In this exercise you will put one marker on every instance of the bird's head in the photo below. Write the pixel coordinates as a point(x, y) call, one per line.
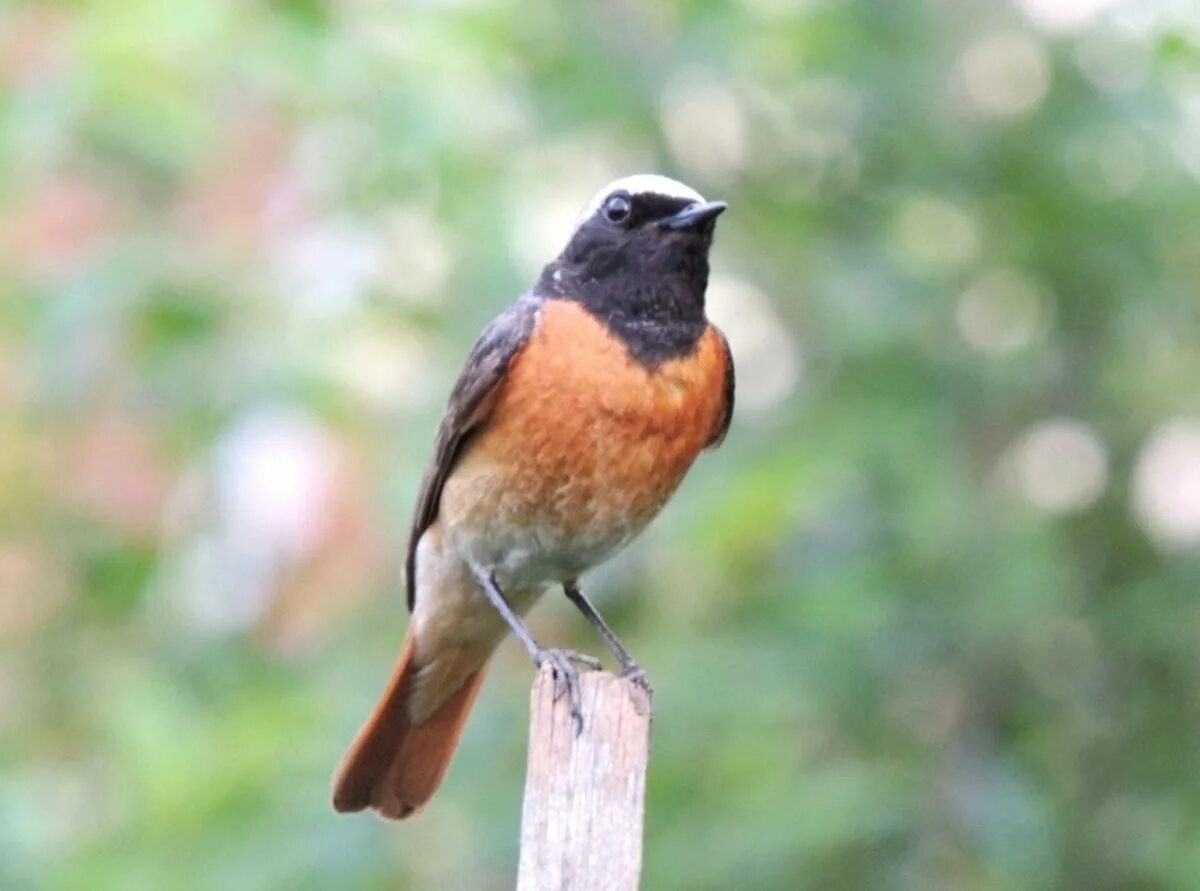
point(640, 249)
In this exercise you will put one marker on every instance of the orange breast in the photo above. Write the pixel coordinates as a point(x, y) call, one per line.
point(583, 440)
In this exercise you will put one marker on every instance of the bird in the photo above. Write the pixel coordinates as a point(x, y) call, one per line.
point(578, 412)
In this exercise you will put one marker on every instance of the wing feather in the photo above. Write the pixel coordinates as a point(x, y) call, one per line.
point(470, 403)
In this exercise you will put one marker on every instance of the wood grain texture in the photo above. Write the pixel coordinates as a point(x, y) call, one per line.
point(581, 827)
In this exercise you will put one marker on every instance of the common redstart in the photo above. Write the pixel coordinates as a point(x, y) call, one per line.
point(579, 411)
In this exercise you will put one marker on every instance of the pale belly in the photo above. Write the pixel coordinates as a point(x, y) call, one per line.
point(541, 535)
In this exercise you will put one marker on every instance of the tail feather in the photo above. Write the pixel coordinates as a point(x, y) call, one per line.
point(395, 764)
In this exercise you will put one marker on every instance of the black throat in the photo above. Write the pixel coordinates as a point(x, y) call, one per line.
point(647, 289)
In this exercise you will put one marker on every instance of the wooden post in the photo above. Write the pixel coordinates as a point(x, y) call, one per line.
point(581, 825)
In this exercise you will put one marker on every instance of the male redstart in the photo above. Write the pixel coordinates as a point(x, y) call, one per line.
point(579, 411)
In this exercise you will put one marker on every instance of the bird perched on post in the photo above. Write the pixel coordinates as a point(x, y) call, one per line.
point(579, 411)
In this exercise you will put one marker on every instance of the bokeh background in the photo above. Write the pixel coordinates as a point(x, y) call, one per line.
point(929, 620)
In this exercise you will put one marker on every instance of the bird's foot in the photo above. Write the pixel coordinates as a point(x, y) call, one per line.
point(566, 677)
point(631, 671)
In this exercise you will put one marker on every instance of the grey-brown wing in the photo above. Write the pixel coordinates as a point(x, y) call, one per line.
point(470, 402)
point(726, 417)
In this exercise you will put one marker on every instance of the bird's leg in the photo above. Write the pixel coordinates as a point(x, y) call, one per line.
point(629, 668)
point(562, 662)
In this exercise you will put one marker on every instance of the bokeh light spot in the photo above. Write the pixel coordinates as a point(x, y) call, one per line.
point(1004, 74)
point(705, 127)
point(1059, 466)
point(1166, 484)
point(1064, 16)
point(935, 234)
point(1000, 312)
point(767, 356)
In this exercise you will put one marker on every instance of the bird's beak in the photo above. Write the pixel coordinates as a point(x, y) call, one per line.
point(695, 215)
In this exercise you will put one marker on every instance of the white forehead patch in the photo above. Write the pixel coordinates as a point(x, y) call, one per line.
point(641, 184)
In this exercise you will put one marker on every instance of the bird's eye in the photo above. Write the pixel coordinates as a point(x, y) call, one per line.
point(617, 209)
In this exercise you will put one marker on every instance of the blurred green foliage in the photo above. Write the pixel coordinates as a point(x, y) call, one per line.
point(927, 621)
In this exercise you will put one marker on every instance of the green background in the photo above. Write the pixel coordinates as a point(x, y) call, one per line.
point(928, 620)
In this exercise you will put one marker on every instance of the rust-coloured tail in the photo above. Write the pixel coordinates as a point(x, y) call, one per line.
point(395, 765)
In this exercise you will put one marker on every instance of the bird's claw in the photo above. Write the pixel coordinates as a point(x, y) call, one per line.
point(633, 672)
point(566, 678)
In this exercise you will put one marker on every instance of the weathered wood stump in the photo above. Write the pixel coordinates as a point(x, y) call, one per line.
point(581, 825)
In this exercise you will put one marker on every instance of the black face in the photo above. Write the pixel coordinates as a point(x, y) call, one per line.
point(640, 264)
